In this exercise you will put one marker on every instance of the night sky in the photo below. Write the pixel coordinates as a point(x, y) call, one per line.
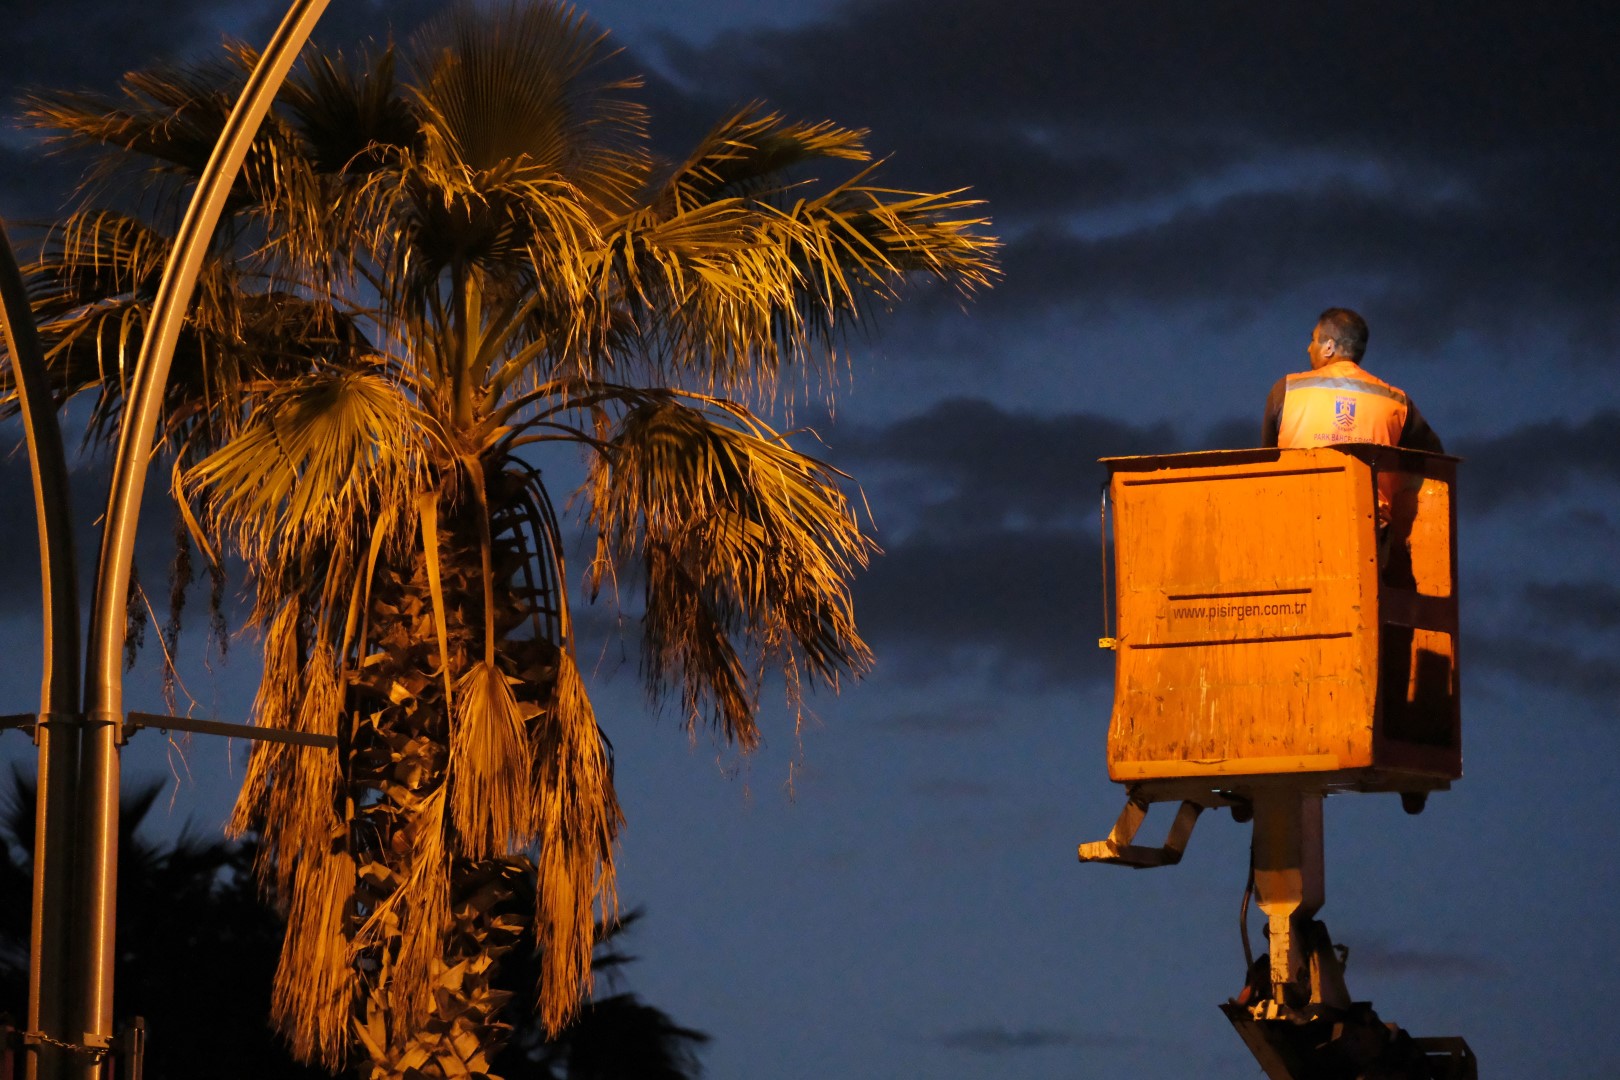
point(1181, 187)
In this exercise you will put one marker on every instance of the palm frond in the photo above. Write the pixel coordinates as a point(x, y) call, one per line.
point(578, 819)
point(318, 456)
point(749, 548)
point(297, 797)
point(732, 291)
point(96, 254)
point(527, 91)
point(884, 234)
point(490, 766)
point(702, 288)
point(170, 115)
point(314, 984)
point(303, 859)
point(751, 154)
point(350, 109)
point(522, 230)
point(92, 285)
point(274, 706)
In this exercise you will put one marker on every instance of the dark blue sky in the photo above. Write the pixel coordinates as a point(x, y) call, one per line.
point(1181, 188)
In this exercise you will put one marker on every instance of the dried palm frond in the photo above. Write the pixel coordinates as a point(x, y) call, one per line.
point(274, 707)
point(578, 818)
point(299, 791)
point(748, 546)
point(422, 918)
point(490, 766)
point(315, 983)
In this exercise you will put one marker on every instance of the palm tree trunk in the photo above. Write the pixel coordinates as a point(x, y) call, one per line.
point(437, 799)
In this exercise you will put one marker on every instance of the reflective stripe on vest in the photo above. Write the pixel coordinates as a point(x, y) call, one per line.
point(1344, 405)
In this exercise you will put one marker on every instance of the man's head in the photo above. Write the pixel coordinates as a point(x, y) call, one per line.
point(1340, 334)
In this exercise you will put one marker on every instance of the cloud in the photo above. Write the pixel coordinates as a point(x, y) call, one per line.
point(1540, 662)
point(1387, 960)
point(991, 551)
point(1430, 80)
point(1458, 164)
point(84, 44)
point(967, 465)
point(1430, 270)
point(1590, 605)
point(991, 466)
point(1026, 601)
point(996, 1040)
point(88, 483)
point(1539, 460)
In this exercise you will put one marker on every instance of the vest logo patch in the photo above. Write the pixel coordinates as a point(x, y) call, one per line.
point(1344, 412)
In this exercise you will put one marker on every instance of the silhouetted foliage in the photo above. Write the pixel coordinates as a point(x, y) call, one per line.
point(197, 954)
point(197, 949)
point(619, 1037)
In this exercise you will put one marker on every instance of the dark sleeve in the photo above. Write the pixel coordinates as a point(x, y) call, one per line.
point(1271, 423)
point(1416, 434)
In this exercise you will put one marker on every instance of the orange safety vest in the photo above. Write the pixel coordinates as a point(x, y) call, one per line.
point(1340, 403)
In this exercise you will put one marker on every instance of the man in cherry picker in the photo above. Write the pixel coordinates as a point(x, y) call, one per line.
point(1339, 401)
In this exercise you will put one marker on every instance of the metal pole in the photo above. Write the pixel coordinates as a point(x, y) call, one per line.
point(1288, 883)
point(57, 732)
point(90, 993)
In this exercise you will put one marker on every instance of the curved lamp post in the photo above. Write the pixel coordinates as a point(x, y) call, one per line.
point(56, 732)
point(70, 982)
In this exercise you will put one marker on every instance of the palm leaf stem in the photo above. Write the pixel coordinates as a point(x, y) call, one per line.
point(474, 471)
point(464, 337)
point(428, 512)
point(568, 395)
point(499, 326)
point(513, 367)
point(573, 435)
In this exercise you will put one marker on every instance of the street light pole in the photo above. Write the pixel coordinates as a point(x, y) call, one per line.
point(76, 860)
point(57, 731)
point(90, 999)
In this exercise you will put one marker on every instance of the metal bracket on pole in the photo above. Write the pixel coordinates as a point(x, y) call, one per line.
point(138, 720)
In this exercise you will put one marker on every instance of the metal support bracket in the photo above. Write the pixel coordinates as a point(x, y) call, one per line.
point(1118, 848)
point(20, 721)
point(138, 720)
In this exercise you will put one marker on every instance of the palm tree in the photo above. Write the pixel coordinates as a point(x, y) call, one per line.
point(440, 262)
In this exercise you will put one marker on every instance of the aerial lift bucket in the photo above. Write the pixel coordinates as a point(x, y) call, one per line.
point(1286, 629)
